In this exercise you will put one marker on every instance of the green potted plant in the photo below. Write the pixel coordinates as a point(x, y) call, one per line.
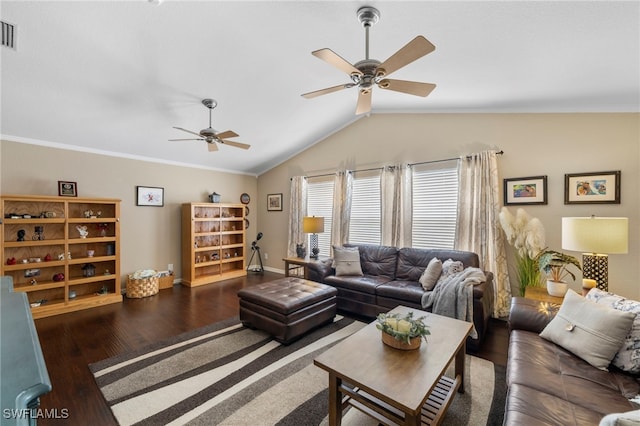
point(402, 331)
point(556, 265)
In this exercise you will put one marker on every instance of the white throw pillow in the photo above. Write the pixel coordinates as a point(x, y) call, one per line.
point(590, 331)
point(630, 418)
point(346, 261)
point(628, 357)
point(430, 276)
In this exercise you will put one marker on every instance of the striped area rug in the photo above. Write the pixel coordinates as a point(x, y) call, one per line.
point(228, 375)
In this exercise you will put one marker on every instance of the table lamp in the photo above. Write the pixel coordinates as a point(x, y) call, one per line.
point(313, 225)
point(596, 237)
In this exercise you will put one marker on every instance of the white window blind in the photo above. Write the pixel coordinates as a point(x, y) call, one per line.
point(435, 204)
point(320, 203)
point(365, 221)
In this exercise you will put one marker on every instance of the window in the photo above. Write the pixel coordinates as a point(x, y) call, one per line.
point(320, 203)
point(365, 221)
point(435, 205)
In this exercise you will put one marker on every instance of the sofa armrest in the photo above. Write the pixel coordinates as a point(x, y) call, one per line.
point(320, 270)
point(530, 315)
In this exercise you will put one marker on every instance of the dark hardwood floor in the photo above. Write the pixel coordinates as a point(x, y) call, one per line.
point(71, 342)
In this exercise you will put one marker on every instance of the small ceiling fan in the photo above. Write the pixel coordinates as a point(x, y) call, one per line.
point(210, 135)
point(364, 74)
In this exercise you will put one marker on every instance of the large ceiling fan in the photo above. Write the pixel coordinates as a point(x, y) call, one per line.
point(210, 135)
point(364, 74)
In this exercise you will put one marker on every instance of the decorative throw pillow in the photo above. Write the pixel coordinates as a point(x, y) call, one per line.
point(590, 331)
point(630, 418)
point(451, 267)
point(430, 276)
point(628, 356)
point(346, 261)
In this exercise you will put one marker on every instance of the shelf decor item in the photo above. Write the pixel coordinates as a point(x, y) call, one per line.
point(149, 196)
point(402, 331)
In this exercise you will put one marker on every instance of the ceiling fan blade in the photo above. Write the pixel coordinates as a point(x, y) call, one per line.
point(173, 140)
point(212, 146)
point(188, 131)
point(416, 48)
point(336, 60)
point(236, 144)
point(327, 90)
point(227, 134)
point(411, 87)
point(364, 102)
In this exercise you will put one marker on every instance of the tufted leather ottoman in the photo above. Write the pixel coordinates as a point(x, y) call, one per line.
point(288, 307)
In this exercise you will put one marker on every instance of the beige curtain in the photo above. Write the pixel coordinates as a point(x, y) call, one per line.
point(396, 206)
point(342, 191)
point(478, 227)
point(297, 210)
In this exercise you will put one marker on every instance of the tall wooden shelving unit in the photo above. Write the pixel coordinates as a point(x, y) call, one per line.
point(213, 242)
point(53, 267)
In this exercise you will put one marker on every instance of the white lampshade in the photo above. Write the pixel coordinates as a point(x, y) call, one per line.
point(313, 225)
point(606, 235)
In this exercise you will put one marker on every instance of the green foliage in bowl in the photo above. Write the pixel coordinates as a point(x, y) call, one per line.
point(403, 327)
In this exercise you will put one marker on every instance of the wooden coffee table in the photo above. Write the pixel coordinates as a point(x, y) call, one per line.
point(395, 386)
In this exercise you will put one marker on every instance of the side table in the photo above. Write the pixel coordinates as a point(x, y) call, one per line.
point(299, 262)
point(540, 293)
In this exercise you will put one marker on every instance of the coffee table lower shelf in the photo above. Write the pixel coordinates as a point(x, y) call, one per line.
point(432, 411)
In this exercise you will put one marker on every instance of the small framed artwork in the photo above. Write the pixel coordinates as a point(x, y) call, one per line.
point(149, 196)
point(592, 188)
point(525, 190)
point(67, 189)
point(274, 202)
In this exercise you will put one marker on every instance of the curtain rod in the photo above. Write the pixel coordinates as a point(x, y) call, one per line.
point(448, 159)
point(410, 164)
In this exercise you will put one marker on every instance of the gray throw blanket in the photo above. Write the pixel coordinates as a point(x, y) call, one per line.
point(453, 296)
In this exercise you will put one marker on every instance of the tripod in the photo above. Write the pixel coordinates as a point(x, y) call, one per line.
point(255, 249)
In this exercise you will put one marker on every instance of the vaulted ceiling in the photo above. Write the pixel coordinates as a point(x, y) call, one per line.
point(115, 77)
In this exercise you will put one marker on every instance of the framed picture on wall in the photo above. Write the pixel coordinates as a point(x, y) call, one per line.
point(592, 188)
point(149, 196)
point(67, 189)
point(274, 202)
point(525, 190)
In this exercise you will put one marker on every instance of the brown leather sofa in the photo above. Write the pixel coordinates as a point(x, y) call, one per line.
point(391, 278)
point(548, 385)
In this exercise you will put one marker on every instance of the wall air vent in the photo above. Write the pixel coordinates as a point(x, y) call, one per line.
point(8, 35)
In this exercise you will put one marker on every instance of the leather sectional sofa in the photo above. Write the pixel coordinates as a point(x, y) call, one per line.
point(548, 385)
point(391, 278)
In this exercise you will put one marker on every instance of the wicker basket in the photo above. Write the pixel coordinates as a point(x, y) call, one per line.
point(142, 287)
point(414, 342)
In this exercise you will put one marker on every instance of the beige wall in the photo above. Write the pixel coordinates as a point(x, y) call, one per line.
point(150, 235)
point(534, 144)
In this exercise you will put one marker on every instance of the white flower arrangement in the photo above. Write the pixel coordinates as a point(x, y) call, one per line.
point(526, 235)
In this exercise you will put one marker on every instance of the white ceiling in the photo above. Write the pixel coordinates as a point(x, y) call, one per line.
point(114, 77)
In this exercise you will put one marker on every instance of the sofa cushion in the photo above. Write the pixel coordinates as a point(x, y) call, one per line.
point(410, 291)
point(346, 261)
point(377, 260)
point(364, 284)
point(430, 276)
point(590, 331)
point(553, 374)
point(628, 356)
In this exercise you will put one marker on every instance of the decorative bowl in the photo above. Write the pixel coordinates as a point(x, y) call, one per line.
point(414, 342)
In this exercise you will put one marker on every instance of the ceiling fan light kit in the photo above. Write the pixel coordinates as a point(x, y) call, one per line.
point(369, 72)
point(211, 135)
